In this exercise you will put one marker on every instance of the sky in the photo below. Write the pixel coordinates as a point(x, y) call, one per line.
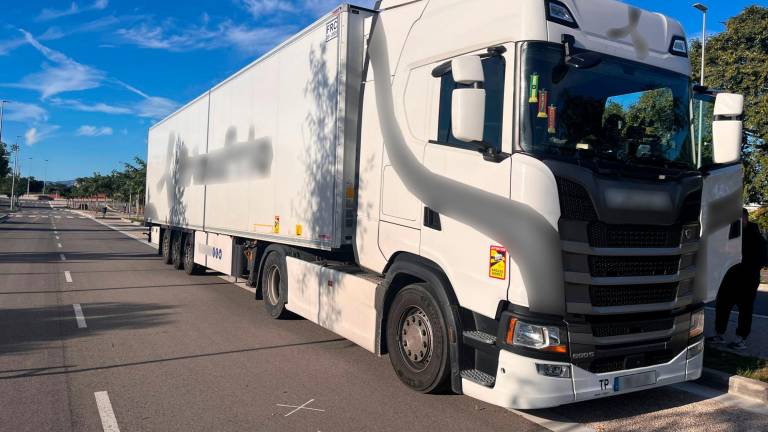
point(86, 79)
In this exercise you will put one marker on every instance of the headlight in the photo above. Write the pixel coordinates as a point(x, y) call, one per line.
point(697, 324)
point(540, 337)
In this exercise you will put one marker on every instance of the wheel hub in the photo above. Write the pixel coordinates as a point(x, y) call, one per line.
point(416, 337)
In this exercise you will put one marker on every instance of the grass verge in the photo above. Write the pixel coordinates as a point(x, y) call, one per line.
point(725, 361)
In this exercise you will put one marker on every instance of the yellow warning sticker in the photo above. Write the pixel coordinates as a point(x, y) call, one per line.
point(498, 263)
point(298, 230)
point(276, 226)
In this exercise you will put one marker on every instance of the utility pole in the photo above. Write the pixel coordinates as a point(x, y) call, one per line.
point(703, 9)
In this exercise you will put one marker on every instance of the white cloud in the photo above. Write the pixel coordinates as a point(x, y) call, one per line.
point(25, 113)
point(36, 134)
point(73, 9)
point(64, 75)
point(93, 131)
point(258, 8)
point(171, 37)
point(94, 107)
point(155, 107)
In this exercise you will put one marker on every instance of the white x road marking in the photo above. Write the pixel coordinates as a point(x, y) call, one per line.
point(300, 407)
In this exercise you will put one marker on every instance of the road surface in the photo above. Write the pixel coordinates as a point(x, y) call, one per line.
point(97, 334)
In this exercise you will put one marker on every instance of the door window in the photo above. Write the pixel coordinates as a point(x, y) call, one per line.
point(493, 68)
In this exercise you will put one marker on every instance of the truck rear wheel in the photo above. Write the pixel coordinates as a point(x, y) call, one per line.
point(274, 284)
point(190, 267)
point(167, 246)
point(417, 339)
point(176, 252)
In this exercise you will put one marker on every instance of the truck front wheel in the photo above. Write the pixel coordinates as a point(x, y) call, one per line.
point(176, 258)
point(274, 284)
point(417, 339)
point(167, 246)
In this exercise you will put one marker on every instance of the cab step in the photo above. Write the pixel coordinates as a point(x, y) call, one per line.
point(478, 377)
point(479, 336)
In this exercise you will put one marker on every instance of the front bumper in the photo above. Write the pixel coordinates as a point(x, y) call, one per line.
point(519, 386)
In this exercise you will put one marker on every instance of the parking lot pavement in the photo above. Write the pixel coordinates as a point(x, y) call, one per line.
point(98, 332)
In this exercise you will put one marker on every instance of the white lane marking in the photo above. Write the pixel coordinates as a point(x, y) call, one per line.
point(58, 244)
point(79, 316)
point(57, 238)
point(300, 407)
point(63, 258)
point(57, 217)
point(70, 217)
point(68, 276)
point(108, 420)
point(737, 313)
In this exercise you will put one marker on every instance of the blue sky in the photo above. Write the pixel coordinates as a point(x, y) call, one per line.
point(88, 78)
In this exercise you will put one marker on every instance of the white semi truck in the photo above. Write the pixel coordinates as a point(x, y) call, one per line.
point(510, 198)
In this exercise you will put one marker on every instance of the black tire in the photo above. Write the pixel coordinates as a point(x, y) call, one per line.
point(167, 246)
point(176, 251)
point(274, 285)
point(188, 256)
point(415, 321)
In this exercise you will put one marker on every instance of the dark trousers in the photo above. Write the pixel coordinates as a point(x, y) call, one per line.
point(736, 290)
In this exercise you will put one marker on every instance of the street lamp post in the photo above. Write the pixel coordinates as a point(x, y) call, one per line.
point(14, 148)
point(29, 176)
point(703, 9)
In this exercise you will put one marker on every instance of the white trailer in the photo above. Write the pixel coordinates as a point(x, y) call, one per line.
point(472, 186)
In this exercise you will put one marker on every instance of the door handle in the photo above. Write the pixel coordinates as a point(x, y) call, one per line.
point(432, 219)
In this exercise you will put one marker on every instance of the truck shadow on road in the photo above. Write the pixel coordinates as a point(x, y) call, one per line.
point(53, 257)
point(34, 328)
point(662, 409)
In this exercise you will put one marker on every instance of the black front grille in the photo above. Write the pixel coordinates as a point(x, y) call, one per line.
point(616, 266)
point(575, 202)
point(626, 295)
point(623, 329)
point(634, 236)
point(613, 364)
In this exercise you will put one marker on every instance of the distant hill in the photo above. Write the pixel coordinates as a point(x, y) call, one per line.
point(63, 182)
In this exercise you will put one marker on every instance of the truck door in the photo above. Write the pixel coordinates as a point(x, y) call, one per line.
point(721, 203)
point(462, 251)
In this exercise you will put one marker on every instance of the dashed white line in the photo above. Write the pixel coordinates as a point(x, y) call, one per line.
point(108, 420)
point(68, 276)
point(63, 258)
point(57, 238)
point(58, 244)
point(79, 316)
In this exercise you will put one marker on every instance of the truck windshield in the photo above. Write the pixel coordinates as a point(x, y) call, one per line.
point(619, 110)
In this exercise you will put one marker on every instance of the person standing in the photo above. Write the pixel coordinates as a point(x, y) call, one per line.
point(739, 287)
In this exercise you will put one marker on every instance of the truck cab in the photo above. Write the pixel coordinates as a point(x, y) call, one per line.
point(539, 158)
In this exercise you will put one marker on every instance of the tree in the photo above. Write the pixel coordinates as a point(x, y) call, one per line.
point(5, 158)
point(737, 61)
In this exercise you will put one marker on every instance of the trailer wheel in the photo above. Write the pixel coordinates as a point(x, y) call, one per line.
point(274, 284)
point(167, 246)
point(190, 267)
point(417, 339)
point(176, 252)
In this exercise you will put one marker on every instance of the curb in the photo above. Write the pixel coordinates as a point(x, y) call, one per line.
point(735, 385)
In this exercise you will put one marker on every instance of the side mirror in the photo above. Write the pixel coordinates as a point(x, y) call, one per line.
point(726, 128)
point(468, 106)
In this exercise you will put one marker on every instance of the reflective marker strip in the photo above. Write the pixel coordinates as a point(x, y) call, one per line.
point(79, 316)
point(108, 420)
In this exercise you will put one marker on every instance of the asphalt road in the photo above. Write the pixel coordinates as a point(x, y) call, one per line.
point(97, 334)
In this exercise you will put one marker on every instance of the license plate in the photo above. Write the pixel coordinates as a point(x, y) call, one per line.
point(627, 382)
